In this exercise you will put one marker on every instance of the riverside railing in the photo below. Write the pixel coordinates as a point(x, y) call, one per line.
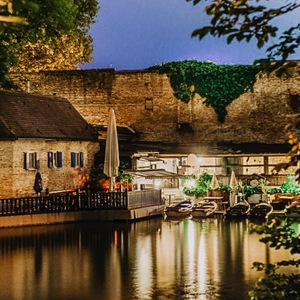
point(79, 202)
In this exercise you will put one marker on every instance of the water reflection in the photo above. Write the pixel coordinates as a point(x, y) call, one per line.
point(153, 259)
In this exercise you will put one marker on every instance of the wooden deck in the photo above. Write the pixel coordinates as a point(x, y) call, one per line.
point(102, 206)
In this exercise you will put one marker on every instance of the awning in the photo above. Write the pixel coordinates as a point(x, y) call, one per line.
point(151, 159)
point(152, 174)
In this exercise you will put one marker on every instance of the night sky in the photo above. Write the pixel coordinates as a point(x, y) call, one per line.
point(136, 34)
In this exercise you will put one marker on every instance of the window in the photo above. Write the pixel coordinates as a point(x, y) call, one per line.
point(31, 161)
point(77, 159)
point(55, 159)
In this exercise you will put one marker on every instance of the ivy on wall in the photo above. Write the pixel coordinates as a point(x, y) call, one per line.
point(218, 84)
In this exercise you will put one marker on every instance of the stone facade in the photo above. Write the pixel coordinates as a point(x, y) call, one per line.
point(45, 134)
point(16, 181)
point(144, 101)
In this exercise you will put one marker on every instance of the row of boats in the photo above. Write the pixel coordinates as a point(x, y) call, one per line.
point(185, 208)
point(239, 210)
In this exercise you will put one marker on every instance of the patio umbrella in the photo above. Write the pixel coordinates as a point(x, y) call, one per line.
point(38, 183)
point(233, 182)
point(111, 160)
point(233, 185)
point(214, 185)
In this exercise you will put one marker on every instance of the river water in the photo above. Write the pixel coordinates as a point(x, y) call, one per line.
point(151, 259)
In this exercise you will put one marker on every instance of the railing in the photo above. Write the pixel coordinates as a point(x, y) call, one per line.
point(144, 198)
point(79, 202)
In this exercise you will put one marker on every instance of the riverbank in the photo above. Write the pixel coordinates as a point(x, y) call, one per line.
point(129, 215)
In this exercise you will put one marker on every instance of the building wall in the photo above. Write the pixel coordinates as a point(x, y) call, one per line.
point(144, 101)
point(18, 182)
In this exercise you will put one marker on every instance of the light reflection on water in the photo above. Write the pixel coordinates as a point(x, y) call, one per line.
point(152, 259)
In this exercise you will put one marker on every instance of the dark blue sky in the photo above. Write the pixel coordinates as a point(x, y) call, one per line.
point(136, 34)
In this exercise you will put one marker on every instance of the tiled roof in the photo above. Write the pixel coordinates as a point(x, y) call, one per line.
point(25, 115)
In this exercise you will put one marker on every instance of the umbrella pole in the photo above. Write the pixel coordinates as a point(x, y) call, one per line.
point(112, 181)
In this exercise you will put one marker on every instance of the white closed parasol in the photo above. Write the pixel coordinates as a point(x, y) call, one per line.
point(111, 160)
point(233, 181)
point(233, 184)
point(214, 185)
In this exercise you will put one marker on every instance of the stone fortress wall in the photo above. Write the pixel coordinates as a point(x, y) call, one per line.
point(144, 101)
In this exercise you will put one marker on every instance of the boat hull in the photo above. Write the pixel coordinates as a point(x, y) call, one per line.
point(239, 210)
point(293, 211)
point(260, 211)
point(180, 210)
point(204, 210)
point(177, 214)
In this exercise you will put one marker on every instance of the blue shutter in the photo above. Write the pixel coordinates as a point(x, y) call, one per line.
point(73, 159)
point(81, 159)
point(59, 159)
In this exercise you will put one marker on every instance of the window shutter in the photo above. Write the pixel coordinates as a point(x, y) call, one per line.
point(25, 160)
point(59, 159)
point(73, 159)
point(81, 159)
point(36, 161)
point(50, 159)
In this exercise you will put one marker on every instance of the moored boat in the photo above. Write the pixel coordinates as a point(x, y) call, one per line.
point(179, 210)
point(260, 211)
point(239, 210)
point(292, 211)
point(204, 209)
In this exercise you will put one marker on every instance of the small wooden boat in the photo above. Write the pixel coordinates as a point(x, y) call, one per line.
point(292, 211)
point(204, 209)
point(260, 211)
point(179, 210)
point(239, 210)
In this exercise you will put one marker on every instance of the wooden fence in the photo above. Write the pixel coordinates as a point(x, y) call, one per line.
point(79, 202)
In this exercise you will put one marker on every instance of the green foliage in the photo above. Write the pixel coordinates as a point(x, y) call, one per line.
point(96, 173)
point(244, 20)
point(225, 188)
point(276, 284)
point(55, 36)
point(290, 186)
point(218, 84)
point(10, 11)
point(194, 186)
point(293, 154)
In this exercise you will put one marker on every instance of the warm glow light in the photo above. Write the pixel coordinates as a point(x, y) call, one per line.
point(200, 161)
point(190, 183)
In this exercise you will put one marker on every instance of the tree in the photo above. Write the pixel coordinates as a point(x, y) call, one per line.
point(244, 20)
point(275, 284)
point(54, 37)
point(9, 10)
point(10, 19)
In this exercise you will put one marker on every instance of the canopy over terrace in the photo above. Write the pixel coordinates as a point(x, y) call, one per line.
point(154, 178)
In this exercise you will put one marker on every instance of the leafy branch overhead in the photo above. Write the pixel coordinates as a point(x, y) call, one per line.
point(244, 20)
point(218, 84)
point(45, 35)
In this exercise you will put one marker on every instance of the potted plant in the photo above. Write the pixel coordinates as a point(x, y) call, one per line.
point(226, 191)
point(290, 186)
point(193, 186)
point(263, 183)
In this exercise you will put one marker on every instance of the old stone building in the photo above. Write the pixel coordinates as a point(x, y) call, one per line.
point(152, 119)
point(44, 134)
